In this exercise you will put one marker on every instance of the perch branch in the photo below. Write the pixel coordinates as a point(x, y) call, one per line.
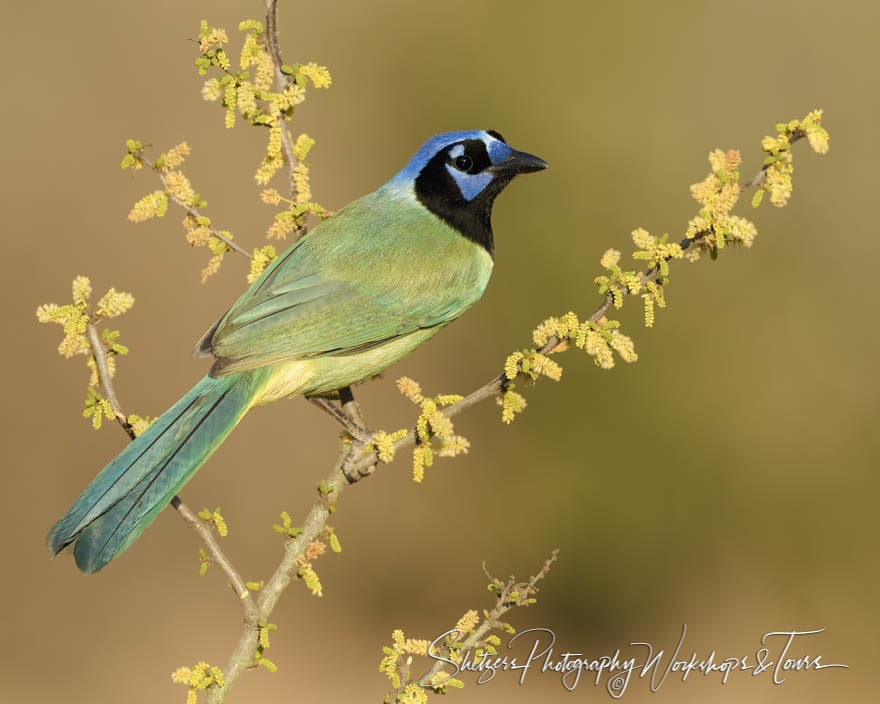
point(496, 385)
point(353, 464)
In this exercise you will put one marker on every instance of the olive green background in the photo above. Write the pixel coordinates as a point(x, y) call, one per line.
point(725, 481)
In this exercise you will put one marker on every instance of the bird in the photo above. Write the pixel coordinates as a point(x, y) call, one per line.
point(347, 300)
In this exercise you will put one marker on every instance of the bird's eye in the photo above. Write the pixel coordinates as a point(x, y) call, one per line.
point(463, 163)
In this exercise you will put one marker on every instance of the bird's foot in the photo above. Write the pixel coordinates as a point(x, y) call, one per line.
point(351, 474)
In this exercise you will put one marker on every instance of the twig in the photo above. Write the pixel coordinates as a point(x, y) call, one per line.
point(195, 211)
point(206, 534)
point(99, 352)
point(243, 656)
point(220, 559)
point(796, 136)
point(281, 82)
point(504, 603)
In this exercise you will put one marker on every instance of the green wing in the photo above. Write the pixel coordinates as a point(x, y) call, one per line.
point(369, 275)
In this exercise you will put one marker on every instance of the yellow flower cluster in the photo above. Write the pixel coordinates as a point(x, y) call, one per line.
point(624, 346)
point(303, 146)
point(212, 267)
point(597, 339)
point(657, 251)
point(388, 664)
point(308, 575)
point(220, 522)
point(301, 183)
point(255, 101)
point(778, 163)
point(199, 234)
point(197, 678)
point(270, 196)
point(263, 256)
point(617, 282)
point(211, 37)
point(817, 135)
point(453, 446)
point(139, 423)
point(216, 518)
point(400, 645)
point(114, 303)
point(383, 444)
point(281, 226)
point(335, 545)
point(264, 634)
point(132, 159)
point(265, 662)
point(180, 187)
point(173, 158)
point(717, 194)
point(468, 622)
point(319, 75)
point(511, 403)
point(75, 318)
point(434, 429)
point(558, 328)
point(597, 347)
point(422, 457)
point(152, 205)
point(97, 408)
point(212, 89)
point(533, 364)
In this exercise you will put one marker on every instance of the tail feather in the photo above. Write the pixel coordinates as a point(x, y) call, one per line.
point(128, 493)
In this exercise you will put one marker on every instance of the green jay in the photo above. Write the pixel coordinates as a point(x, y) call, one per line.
point(356, 294)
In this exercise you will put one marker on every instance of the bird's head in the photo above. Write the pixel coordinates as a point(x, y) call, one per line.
point(457, 176)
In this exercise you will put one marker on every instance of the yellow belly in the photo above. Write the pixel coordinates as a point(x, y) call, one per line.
point(321, 375)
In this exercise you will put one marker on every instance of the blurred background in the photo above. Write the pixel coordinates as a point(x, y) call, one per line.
point(725, 481)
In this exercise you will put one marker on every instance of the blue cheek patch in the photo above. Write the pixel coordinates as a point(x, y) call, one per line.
point(470, 185)
point(499, 151)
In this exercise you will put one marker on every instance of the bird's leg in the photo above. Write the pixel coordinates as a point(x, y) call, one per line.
point(357, 431)
point(350, 406)
point(348, 414)
point(353, 411)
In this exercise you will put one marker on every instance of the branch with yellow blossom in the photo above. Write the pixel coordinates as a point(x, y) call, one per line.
point(397, 664)
point(281, 83)
point(708, 231)
point(253, 99)
point(173, 195)
point(360, 456)
point(82, 337)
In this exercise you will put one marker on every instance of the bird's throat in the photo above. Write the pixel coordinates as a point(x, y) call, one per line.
point(437, 191)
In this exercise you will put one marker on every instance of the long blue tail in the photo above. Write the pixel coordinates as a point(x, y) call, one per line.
point(129, 492)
